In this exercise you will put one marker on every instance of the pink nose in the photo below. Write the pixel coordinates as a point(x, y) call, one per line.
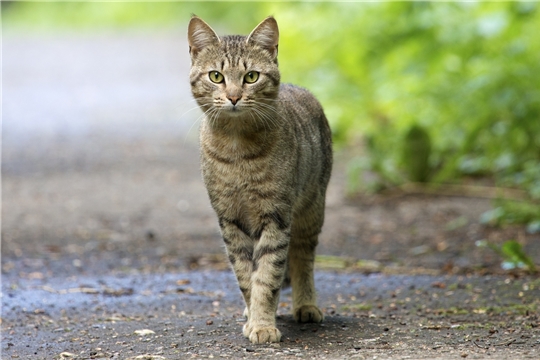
point(234, 99)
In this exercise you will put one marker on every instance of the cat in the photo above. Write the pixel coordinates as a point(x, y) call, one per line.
point(266, 159)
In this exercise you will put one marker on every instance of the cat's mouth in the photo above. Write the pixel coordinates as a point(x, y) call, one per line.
point(234, 110)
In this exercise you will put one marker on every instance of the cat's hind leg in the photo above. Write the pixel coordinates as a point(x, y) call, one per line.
point(301, 264)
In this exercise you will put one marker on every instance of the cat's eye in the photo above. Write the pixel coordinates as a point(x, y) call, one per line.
point(216, 77)
point(251, 77)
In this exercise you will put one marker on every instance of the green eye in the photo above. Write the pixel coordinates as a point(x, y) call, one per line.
point(216, 77)
point(251, 77)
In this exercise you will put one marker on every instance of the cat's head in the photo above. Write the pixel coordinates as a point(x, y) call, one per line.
point(234, 76)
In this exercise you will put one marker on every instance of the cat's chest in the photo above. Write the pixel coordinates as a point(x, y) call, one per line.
point(246, 177)
point(243, 185)
point(242, 177)
point(242, 160)
point(243, 191)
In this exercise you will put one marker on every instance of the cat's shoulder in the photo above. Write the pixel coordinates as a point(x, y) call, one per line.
point(294, 91)
point(295, 95)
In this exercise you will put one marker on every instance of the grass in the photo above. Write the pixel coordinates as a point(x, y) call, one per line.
point(452, 311)
point(357, 307)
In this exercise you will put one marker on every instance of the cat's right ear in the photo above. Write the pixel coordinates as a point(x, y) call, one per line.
point(266, 35)
point(200, 35)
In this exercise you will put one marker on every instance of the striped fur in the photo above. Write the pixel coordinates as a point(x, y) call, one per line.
point(266, 158)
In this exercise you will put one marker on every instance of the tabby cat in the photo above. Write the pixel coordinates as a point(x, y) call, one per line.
point(266, 157)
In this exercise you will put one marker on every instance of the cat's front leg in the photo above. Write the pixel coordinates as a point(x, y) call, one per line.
point(269, 263)
point(240, 251)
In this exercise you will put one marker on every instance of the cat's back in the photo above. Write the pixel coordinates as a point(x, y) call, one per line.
point(306, 114)
point(313, 138)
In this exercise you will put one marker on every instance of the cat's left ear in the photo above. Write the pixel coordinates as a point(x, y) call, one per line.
point(266, 35)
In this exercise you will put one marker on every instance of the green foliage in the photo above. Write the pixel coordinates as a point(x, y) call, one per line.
point(92, 16)
point(467, 73)
point(416, 149)
point(86, 15)
point(512, 254)
point(511, 212)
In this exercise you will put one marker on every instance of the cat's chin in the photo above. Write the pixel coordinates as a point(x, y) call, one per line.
point(235, 112)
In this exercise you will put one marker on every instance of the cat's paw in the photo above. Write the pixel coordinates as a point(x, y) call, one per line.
point(308, 314)
point(264, 335)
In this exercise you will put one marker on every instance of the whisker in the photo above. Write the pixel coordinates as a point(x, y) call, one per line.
point(199, 118)
point(193, 108)
point(265, 108)
point(264, 116)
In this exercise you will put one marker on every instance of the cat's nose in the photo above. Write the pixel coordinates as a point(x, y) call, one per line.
point(234, 99)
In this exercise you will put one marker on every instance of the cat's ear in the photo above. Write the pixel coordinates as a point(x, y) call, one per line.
point(266, 35)
point(200, 35)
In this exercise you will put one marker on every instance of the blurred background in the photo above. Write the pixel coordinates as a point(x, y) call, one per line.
point(99, 142)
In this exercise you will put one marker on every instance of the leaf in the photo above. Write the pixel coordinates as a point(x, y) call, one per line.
point(66, 354)
point(514, 253)
point(534, 227)
point(492, 217)
point(144, 332)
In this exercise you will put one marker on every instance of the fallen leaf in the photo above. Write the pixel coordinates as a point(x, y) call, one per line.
point(66, 354)
point(118, 292)
point(36, 275)
point(114, 318)
point(144, 332)
point(147, 357)
point(438, 285)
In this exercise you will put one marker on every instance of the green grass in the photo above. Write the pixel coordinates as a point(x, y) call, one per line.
point(452, 311)
point(357, 307)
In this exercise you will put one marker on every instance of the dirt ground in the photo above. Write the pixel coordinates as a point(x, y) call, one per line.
point(146, 209)
point(110, 249)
